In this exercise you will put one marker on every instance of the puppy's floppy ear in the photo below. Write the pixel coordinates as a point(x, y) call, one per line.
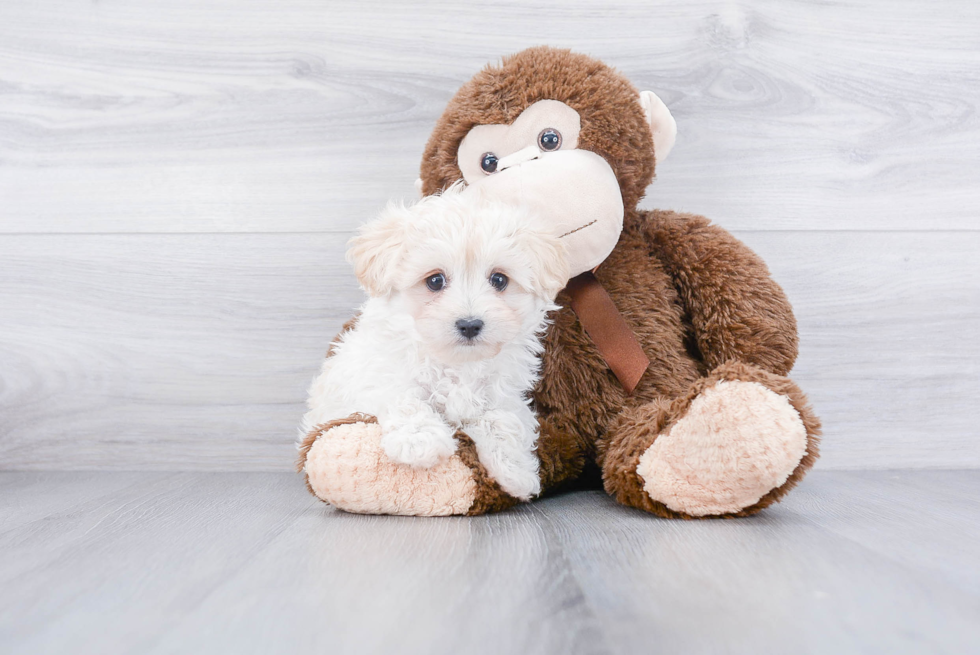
point(378, 248)
point(550, 262)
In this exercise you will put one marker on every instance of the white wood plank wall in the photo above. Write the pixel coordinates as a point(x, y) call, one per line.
point(177, 180)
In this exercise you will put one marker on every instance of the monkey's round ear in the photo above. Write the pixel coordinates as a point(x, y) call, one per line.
point(662, 124)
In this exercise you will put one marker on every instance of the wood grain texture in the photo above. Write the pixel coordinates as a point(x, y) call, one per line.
point(177, 179)
point(28, 495)
point(167, 539)
point(249, 563)
point(306, 116)
point(194, 351)
point(880, 509)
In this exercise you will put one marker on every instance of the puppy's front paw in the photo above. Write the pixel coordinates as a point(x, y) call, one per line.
point(418, 448)
point(505, 445)
point(520, 482)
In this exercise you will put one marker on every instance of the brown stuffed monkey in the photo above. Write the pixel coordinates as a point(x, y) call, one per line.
point(666, 366)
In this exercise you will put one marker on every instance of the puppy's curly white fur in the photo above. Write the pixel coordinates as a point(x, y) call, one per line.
point(449, 339)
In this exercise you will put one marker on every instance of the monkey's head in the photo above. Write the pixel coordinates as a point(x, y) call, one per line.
point(560, 133)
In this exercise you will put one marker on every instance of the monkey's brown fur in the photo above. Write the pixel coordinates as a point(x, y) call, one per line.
point(701, 304)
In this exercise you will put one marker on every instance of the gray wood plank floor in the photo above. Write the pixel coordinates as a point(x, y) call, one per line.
point(884, 561)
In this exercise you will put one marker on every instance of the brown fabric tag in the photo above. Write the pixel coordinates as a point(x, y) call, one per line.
point(608, 330)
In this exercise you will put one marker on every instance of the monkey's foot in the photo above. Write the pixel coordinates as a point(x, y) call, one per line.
point(345, 465)
point(737, 442)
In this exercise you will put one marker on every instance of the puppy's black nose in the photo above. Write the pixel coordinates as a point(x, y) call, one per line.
point(469, 327)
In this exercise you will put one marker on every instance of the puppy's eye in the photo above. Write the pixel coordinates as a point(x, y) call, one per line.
point(499, 281)
point(489, 163)
point(435, 282)
point(549, 139)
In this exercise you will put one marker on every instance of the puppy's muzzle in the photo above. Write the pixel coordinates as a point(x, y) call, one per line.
point(469, 328)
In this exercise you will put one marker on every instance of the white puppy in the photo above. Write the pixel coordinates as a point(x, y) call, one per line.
point(459, 288)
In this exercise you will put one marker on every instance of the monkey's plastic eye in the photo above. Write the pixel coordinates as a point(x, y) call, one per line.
point(435, 282)
point(489, 163)
point(549, 139)
point(499, 281)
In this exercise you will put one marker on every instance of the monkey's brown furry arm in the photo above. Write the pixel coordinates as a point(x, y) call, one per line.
point(736, 310)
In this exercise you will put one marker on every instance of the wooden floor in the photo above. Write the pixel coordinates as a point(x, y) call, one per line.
point(177, 183)
point(884, 562)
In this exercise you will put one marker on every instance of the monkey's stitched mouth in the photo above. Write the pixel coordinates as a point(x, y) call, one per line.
point(581, 227)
